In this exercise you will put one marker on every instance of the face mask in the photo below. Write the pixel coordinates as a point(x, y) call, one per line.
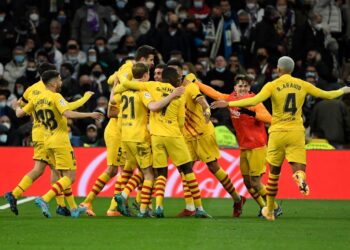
point(260, 57)
point(96, 74)
point(48, 49)
point(198, 4)
point(138, 19)
point(2, 104)
point(184, 72)
point(251, 76)
point(220, 70)
point(92, 59)
point(3, 138)
point(88, 3)
point(7, 125)
point(20, 90)
point(120, 4)
point(2, 18)
point(170, 4)
point(250, 5)
point(73, 59)
point(282, 9)
point(86, 87)
point(227, 14)
point(55, 36)
point(182, 16)
point(174, 25)
point(34, 17)
point(150, 5)
point(19, 58)
point(62, 19)
point(113, 18)
point(64, 73)
point(274, 76)
point(318, 26)
point(100, 49)
point(30, 73)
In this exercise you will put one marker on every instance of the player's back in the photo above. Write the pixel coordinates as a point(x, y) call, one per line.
point(287, 97)
point(48, 108)
point(134, 115)
point(31, 93)
point(166, 121)
point(195, 124)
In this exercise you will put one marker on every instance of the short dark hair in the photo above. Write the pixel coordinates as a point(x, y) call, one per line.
point(174, 62)
point(145, 51)
point(49, 75)
point(68, 66)
point(170, 75)
point(139, 69)
point(160, 66)
point(45, 67)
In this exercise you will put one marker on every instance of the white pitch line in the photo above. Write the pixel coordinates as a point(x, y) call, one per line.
point(18, 202)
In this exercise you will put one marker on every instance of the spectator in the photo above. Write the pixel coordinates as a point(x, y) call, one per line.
point(263, 68)
point(332, 118)
point(70, 86)
point(58, 37)
point(255, 12)
point(53, 54)
point(74, 56)
point(105, 56)
point(99, 80)
point(37, 24)
point(74, 139)
point(5, 110)
point(119, 30)
point(287, 21)
point(173, 38)
point(8, 135)
point(235, 66)
point(30, 46)
point(220, 78)
point(91, 138)
point(16, 67)
point(91, 21)
point(199, 11)
point(7, 35)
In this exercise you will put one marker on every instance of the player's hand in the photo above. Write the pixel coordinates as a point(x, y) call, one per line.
point(219, 104)
point(207, 115)
point(247, 112)
point(89, 93)
point(178, 91)
point(346, 89)
point(97, 116)
point(190, 77)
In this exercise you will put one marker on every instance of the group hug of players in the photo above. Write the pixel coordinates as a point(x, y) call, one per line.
point(150, 122)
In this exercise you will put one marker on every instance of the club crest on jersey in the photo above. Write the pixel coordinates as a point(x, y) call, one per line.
point(147, 95)
point(63, 102)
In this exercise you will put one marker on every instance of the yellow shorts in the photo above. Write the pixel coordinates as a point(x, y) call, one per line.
point(138, 153)
point(40, 153)
point(204, 148)
point(289, 145)
point(63, 158)
point(115, 152)
point(174, 147)
point(253, 161)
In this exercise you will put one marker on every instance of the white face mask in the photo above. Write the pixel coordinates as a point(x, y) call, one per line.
point(34, 17)
point(250, 5)
point(7, 125)
point(113, 18)
point(198, 4)
point(150, 5)
point(318, 26)
point(282, 9)
point(55, 36)
point(2, 104)
point(3, 138)
point(2, 18)
point(92, 59)
point(184, 72)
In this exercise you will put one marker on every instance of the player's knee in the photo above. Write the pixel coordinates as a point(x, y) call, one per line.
point(185, 168)
point(111, 171)
point(247, 182)
point(213, 166)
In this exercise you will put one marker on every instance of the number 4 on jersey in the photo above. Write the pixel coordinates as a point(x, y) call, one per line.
point(289, 105)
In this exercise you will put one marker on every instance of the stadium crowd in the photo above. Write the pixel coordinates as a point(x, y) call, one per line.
point(88, 40)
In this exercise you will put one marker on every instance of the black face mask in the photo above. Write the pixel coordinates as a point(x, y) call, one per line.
point(31, 73)
point(47, 50)
point(96, 74)
point(138, 19)
point(174, 25)
point(130, 48)
point(85, 87)
point(260, 57)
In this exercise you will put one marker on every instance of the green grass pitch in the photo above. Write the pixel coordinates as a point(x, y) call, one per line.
point(305, 224)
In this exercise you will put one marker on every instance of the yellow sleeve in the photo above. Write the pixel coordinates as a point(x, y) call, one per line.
point(193, 90)
point(61, 103)
point(319, 93)
point(28, 108)
point(25, 96)
point(212, 93)
point(119, 89)
point(262, 96)
point(111, 79)
point(261, 113)
point(134, 85)
point(182, 112)
point(146, 98)
point(80, 102)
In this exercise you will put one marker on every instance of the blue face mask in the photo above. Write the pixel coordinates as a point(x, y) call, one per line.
point(220, 70)
point(274, 76)
point(19, 58)
point(62, 19)
point(121, 4)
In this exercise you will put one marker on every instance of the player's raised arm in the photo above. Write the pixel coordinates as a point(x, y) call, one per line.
point(79, 115)
point(158, 105)
point(80, 102)
point(207, 90)
point(26, 110)
point(316, 92)
point(261, 113)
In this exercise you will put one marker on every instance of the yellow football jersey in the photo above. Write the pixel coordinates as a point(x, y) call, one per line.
point(167, 121)
point(31, 92)
point(287, 96)
point(48, 108)
point(125, 70)
point(134, 114)
point(195, 124)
